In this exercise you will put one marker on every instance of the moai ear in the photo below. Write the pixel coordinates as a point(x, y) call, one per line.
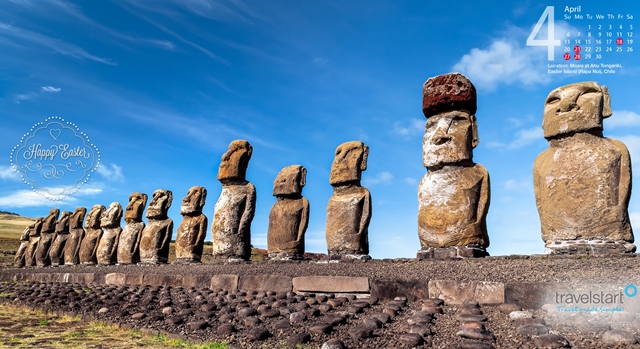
point(119, 212)
point(203, 196)
point(303, 177)
point(606, 102)
point(474, 131)
point(169, 198)
point(365, 156)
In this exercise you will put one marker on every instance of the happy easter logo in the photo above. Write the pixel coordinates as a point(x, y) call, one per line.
point(55, 158)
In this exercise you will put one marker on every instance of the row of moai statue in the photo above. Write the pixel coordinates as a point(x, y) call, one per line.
point(582, 186)
point(61, 239)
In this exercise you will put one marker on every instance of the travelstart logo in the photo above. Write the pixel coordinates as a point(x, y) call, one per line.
point(55, 158)
point(595, 302)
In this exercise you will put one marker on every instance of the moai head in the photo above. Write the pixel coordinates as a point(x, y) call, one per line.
point(233, 166)
point(160, 203)
point(290, 181)
point(62, 225)
point(451, 133)
point(34, 229)
point(349, 162)
point(111, 217)
point(49, 223)
point(575, 108)
point(93, 218)
point(135, 207)
point(76, 219)
point(194, 201)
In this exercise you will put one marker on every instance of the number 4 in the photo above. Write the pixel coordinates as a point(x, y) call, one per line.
point(550, 42)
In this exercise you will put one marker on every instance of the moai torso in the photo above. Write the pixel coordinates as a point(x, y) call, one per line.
point(156, 236)
point(349, 208)
point(289, 215)
point(56, 252)
point(34, 238)
point(193, 229)
point(76, 233)
point(92, 234)
point(129, 240)
point(21, 254)
point(47, 235)
point(583, 181)
point(106, 253)
point(235, 208)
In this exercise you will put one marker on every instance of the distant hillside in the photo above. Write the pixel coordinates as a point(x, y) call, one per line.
point(12, 225)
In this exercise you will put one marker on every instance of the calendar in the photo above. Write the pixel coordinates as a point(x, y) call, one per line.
point(580, 40)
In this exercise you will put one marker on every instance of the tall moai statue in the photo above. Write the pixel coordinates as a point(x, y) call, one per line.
point(47, 235)
point(193, 229)
point(129, 241)
point(349, 208)
point(21, 253)
point(454, 194)
point(76, 233)
point(34, 238)
point(106, 254)
point(582, 183)
point(56, 252)
point(92, 235)
point(289, 216)
point(233, 213)
point(156, 236)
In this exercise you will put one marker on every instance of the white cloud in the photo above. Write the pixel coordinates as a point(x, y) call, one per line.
point(50, 89)
point(526, 137)
point(411, 181)
point(7, 172)
point(622, 118)
point(24, 97)
point(25, 198)
point(633, 144)
point(380, 178)
point(513, 184)
point(111, 172)
point(415, 127)
point(635, 220)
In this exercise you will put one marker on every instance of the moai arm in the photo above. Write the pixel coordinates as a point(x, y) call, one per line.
point(304, 219)
point(366, 213)
point(624, 188)
point(485, 195)
point(249, 209)
point(76, 253)
point(202, 229)
point(25, 234)
point(168, 235)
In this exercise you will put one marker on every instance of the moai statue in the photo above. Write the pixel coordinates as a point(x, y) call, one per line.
point(129, 242)
point(154, 244)
point(34, 239)
point(454, 194)
point(21, 253)
point(92, 235)
point(582, 182)
point(56, 252)
point(233, 213)
point(289, 216)
point(349, 208)
point(76, 233)
point(47, 235)
point(106, 254)
point(193, 229)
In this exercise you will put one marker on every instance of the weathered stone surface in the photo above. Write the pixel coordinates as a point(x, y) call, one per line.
point(47, 235)
point(289, 215)
point(129, 241)
point(156, 236)
point(34, 238)
point(582, 183)
point(21, 253)
point(106, 253)
point(76, 234)
point(333, 284)
point(457, 292)
point(454, 194)
point(234, 211)
point(619, 337)
point(197, 281)
point(551, 341)
point(349, 208)
point(225, 282)
point(193, 229)
point(333, 344)
point(56, 252)
point(277, 283)
point(532, 330)
point(115, 279)
point(92, 234)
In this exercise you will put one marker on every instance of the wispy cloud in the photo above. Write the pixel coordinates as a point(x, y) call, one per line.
point(513, 184)
point(412, 128)
point(411, 181)
point(523, 138)
point(380, 178)
point(111, 172)
point(622, 118)
point(22, 35)
point(29, 198)
point(50, 89)
point(8, 173)
point(24, 97)
point(633, 144)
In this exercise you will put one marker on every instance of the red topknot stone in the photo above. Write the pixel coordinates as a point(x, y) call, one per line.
point(446, 92)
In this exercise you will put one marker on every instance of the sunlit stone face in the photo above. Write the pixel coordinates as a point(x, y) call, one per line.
point(290, 181)
point(111, 217)
point(448, 138)
point(234, 163)
point(159, 204)
point(349, 162)
point(194, 200)
point(135, 207)
point(93, 218)
point(575, 107)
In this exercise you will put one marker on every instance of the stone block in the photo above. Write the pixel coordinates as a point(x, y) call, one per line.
point(277, 283)
point(333, 284)
point(162, 280)
point(133, 279)
point(456, 292)
point(388, 289)
point(197, 281)
point(115, 279)
point(224, 281)
point(530, 295)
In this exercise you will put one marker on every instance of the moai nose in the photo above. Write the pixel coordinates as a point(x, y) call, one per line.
point(440, 137)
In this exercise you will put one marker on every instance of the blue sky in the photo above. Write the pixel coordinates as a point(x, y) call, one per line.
point(162, 87)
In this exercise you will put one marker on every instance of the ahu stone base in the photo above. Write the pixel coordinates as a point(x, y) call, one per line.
point(589, 247)
point(456, 252)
